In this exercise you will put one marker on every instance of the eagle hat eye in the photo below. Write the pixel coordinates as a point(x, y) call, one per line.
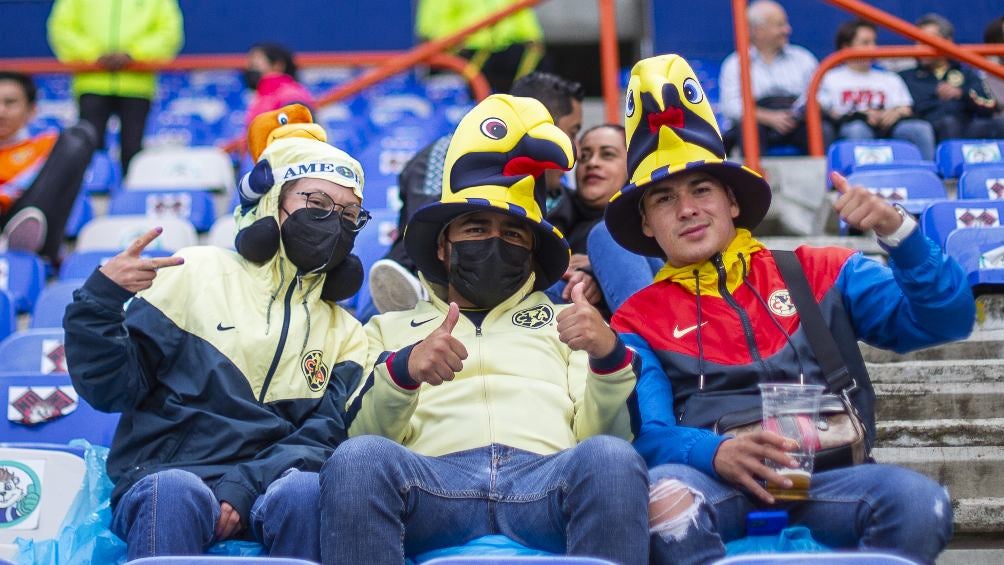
point(283, 118)
point(692, 91)
point(629, 104)
point(494, 128)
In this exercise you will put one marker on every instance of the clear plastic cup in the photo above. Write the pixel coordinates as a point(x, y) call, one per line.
point(792, 411)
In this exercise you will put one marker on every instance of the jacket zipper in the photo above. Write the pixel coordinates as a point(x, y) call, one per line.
point(723, 289)
point(484, 382)
point(286, 311)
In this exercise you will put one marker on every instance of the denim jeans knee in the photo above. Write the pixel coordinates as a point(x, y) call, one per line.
point(285, 519)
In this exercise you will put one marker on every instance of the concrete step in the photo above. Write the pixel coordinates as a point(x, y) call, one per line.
point(971, 557)
point(944, 371)
point(974, 349)
point(925, 401)
point(940, 433)
point(983, 517)
point(967, 472)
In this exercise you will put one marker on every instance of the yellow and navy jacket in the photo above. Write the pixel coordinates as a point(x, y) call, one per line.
point(82, 31)
point(233, 371)
point(734, 323)
point(520, 385)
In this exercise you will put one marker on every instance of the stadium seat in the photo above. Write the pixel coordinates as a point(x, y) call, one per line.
point(383, 159)
point(48, 482)
point(81, 213)
point(824, 558)
point(7, 324)
point(218, 560)
point(34, 351)
point(117, 232)
point(982, 181)
point(981, 254)
point(372, 243)
point(914, 189)
point(516, 560)
point(955, 155)
point(102, 175)
point(80, 264)
point(47, 409)
point(222, 233)
point(942, 218)
point(52, 302)
point(23, 276)
point(180, 168)
point(846, 156)
point(196, 206)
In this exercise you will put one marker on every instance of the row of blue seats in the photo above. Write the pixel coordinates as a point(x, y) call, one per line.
point(952, 157)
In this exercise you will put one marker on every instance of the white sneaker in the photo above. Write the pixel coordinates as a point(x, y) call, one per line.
point(393, 288)
point(26, 230)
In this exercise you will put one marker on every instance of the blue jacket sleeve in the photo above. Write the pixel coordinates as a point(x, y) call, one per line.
point(661, 440)
point(922, 300)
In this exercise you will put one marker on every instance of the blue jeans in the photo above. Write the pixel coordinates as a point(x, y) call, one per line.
point(877, 507)
point(916, 131)
point(619, 272)
point(381, 501)
point(174, 513)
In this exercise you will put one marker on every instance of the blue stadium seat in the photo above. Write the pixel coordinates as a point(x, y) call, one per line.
point(102, 175)
point(973, 248)
point(80, 264)
point(51, 304)
point(823, 558)
point(42, 402)
point(372, 243)
point(23, 276)
point(196, 206)
point(517, 560)
point(81, 213)
point(33, 351)
point(382, 161)
point(955, 155)
point(218, 560)
point(982, 181)
point(846, 155)
point(942, 218)
point(914, 189)
point(7, 324)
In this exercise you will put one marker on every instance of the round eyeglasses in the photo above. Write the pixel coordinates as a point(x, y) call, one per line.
point(320, 206)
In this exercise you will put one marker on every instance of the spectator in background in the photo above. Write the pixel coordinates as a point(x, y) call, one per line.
point(995, 34)
point(779, 75)
point(504, 52)
point(953, 98)
point(869, 103)
point(392, 280)
point(114, 34)
point(271, 73)
point(600, 171)
point(40, 175)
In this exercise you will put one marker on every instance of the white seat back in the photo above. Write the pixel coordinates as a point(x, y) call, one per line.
point(185, 168)
point(117, 232)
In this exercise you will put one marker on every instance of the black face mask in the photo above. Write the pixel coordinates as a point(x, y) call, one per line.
point(316, 245)
point(487, 271)
point(252, 78)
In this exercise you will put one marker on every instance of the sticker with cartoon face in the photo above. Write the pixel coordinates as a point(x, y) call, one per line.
point(20, 495)
point(533, 318)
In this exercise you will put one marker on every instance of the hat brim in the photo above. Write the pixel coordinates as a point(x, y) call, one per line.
point(421, 240)
point(623, 213)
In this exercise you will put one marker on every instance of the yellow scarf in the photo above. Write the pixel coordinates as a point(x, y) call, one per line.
point(743, 243)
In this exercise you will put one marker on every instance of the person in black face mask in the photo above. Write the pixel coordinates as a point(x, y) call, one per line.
point(490, 373)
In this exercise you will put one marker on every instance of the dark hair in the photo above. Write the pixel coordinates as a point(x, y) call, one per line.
point(27, 84)
point(554, 92)
point(616, 127)
point(848, 30)
point(995, 31)
point(276, 53)
point(945, 28)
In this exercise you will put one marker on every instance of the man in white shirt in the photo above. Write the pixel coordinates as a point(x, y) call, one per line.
point(869, 103)
point(779, 72)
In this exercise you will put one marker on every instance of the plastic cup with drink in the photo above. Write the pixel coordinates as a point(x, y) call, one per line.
point(792, 411)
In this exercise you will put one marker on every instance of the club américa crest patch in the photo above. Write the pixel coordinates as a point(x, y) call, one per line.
point(532, 318)
point(780, 303)
point(314, 370)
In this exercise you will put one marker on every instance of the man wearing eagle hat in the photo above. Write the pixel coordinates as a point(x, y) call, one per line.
point(719, 319)
point(490, 409)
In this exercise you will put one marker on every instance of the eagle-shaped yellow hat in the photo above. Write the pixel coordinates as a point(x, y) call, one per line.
point(495, 163)
point(670, 129)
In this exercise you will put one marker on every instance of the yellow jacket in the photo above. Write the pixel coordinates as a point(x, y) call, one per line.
point(520, 385)
point(439, 18)
point(82, 31)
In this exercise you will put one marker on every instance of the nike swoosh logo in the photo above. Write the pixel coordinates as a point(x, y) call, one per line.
point(220, 327)
point(678, 333)
point(415, 324)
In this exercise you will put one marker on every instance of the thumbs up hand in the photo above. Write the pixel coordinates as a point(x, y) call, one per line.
point(864, 210)
point(440, 355)
point(581, 327)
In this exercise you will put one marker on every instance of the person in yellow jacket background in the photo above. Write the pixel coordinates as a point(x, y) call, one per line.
point(113, 34)
point(504, 52)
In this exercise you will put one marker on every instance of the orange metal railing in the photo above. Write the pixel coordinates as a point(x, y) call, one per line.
point(936, 46)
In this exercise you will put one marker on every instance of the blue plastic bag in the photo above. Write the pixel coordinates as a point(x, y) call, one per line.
point(496, 545)
point(789, 540)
